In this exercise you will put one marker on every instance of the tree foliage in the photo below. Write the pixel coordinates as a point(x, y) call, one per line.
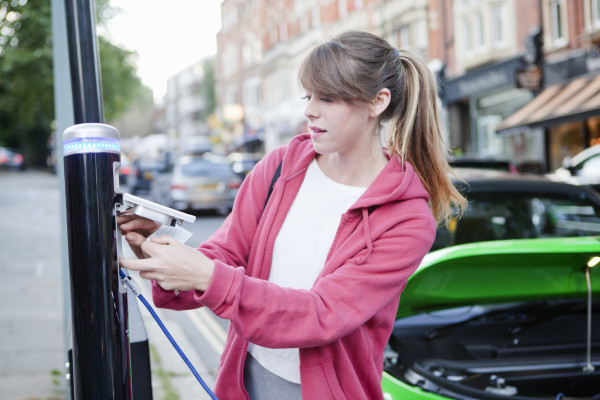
point(121, 87)
point(26, 76)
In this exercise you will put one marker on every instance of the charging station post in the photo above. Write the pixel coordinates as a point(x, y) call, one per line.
point(100, 356)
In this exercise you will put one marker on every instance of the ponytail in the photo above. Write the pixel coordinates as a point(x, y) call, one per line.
point(415, 136)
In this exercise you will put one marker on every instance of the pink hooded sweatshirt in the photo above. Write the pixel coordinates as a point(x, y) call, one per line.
point(342, 324)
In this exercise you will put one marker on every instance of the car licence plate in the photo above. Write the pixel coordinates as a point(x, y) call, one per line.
point(207, 186)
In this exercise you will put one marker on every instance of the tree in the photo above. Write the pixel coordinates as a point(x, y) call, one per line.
point(26, 76)
point(26, 97)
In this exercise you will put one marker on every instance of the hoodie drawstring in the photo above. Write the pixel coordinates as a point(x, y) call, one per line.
point(368, 239)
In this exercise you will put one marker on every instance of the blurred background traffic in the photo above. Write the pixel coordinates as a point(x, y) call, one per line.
point(517, 80)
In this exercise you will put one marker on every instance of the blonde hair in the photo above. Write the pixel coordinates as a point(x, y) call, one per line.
point(354, 67)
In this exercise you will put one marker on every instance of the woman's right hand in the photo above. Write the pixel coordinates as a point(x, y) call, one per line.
point(136, 231)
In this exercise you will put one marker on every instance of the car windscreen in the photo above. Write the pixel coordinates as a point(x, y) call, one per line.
point(499, 216)
point(203, 167)
point(151, 165)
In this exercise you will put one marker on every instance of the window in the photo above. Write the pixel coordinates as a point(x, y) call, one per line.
point(482, 30)
point(595, 11)
point(468, 35)
point(251, 94)
point(592, 10)
point(520, 214)
point(252, 50)
point(421, 36)
point(478, 37)
point(590, 167)
point(498, 24)
point(405, 37)
point(556, 22)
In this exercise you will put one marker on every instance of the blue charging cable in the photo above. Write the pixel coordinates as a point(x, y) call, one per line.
point(132, 285)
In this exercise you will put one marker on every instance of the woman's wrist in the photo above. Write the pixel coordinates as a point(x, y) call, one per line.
point(205, 277)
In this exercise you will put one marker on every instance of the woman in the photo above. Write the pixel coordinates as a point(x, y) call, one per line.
point(311, 281)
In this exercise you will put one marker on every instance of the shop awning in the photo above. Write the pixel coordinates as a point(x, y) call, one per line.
point(573, 100)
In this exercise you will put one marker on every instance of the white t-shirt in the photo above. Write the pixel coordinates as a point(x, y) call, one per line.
point(300, 251)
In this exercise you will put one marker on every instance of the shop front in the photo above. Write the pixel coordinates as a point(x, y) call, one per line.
point(478, 102)
point(566, 112)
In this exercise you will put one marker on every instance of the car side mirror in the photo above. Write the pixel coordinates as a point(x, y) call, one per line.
point(572, 170)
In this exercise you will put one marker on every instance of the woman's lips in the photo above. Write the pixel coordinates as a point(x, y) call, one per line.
point(316, 131)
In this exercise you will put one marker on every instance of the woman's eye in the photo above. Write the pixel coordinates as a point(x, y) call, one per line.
point(306, 98)
point(326, 100)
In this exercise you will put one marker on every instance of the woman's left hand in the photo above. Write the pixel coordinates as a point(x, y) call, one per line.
point(172, 264)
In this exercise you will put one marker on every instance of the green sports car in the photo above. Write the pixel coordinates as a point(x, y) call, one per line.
point(509, 319)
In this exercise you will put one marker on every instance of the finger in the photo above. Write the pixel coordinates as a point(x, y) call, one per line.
point(125, 218)
point(131, 224)
point(135, 265)
point(147, 275)
point(138, 252)
point(149, 248)
point(154, 246)
point(164, 240)
point(135, 239)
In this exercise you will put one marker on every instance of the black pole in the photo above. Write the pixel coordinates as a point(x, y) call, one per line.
point(100, 343)
point(84, 61)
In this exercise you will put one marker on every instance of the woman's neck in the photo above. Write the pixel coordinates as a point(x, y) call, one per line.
point(353, 170)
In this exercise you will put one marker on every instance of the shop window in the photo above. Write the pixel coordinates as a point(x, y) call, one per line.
point(565, 141)
point(488, 142)
point(593, 125)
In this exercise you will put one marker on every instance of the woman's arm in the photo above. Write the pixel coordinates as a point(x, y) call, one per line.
point(277, 317)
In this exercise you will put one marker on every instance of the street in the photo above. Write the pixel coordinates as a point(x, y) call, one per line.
point(32, 322)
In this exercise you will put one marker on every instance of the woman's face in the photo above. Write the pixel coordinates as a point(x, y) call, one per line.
point(339, 127)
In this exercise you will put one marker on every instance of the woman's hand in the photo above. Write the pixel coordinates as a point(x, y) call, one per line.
point(136, 230)
point(172, 264)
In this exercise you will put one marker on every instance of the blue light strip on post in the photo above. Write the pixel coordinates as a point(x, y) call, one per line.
point(91, 145)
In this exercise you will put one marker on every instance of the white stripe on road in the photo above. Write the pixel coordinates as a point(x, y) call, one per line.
point(214, 334)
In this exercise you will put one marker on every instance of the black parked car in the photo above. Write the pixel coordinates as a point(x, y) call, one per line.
point(144, 171)
point(494, 163)
point(506, 205)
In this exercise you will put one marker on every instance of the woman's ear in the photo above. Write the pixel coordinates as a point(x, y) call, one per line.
point(380, 102)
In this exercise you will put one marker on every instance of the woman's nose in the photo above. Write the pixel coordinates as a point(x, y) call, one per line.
point(310, 112)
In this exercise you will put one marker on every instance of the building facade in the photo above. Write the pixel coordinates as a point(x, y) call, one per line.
point(188, 103)
point(493, 59)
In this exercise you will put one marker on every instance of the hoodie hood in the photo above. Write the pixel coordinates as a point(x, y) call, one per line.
point(398, 181)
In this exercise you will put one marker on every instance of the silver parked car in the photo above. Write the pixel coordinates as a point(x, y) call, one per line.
point(205, 182)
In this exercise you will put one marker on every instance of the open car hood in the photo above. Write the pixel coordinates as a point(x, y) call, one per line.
point(502, 271)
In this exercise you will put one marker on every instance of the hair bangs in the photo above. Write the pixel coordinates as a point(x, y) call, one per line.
point(323, 70)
